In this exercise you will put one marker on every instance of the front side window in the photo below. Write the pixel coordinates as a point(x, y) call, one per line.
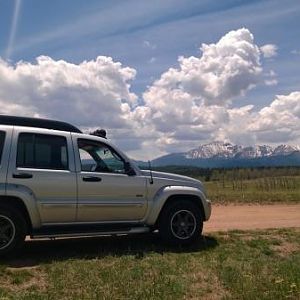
point(99, 157)
point(42, 151)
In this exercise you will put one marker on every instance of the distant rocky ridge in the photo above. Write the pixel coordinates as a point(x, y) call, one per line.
point(227, 150)
point(220, 154)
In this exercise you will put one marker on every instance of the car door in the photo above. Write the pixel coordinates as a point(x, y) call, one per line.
point(5, 141)
point(42, 164)
point(105, 192)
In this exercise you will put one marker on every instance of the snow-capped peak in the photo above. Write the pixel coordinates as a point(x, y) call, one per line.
point(285, 149)
point(220, 149)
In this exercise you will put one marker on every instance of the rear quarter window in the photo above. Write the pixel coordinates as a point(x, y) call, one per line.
point(42, 151)
point(2, 140)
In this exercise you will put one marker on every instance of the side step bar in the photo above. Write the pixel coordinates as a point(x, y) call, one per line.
point(134, 230)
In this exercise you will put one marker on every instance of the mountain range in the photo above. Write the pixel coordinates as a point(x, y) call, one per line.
point(220, 154)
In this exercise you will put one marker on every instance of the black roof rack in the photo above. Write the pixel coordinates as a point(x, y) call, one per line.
point(35, 122)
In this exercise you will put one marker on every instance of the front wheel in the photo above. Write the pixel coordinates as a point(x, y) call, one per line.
point(181, 222)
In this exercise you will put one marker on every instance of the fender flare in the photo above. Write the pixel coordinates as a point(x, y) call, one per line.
point(27, 196)
point(165, 193)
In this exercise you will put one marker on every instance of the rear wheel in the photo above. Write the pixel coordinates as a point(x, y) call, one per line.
point(181, 222)
point(12, 230)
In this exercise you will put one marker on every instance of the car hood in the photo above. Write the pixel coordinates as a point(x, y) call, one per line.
point(173, 179)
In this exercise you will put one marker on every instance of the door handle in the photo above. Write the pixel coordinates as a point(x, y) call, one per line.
point(23, 175)
point(91, 179)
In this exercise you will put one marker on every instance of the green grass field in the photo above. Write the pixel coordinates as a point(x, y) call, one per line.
point(248, 185)
point(261, 190)
point(232, 265)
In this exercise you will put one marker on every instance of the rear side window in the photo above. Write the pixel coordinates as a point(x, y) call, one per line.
point(2, 140)
point(42, 151)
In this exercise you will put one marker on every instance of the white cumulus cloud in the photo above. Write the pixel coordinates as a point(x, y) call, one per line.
point(224, 70)
point(193, 99)
point(280, 121)
point(269, 50)
point(92, 93)
point(188, 105)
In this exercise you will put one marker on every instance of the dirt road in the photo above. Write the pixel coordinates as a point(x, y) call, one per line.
point(253, 217)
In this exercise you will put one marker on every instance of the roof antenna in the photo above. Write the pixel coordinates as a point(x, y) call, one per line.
point(150, 169)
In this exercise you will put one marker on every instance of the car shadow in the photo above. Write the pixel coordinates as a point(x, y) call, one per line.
point(35, 252)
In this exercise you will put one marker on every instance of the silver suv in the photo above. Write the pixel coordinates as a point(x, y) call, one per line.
point(56, 181)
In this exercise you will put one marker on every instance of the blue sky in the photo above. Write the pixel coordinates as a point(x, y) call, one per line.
point(149, 36)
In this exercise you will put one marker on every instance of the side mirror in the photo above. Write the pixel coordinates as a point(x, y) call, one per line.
point(128, 169)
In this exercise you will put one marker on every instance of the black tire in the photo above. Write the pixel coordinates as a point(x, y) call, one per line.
point(186, 232)
point(13, 229)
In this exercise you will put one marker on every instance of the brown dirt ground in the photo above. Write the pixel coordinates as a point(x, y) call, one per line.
point(244, 217)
